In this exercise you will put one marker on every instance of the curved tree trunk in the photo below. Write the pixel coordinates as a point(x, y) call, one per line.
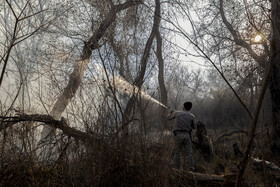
point(162, 88)
point(64, 99)
point(80, 67)
point(140, 75)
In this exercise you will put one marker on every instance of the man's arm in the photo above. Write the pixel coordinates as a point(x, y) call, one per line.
point(171, 115)
point(193, 124)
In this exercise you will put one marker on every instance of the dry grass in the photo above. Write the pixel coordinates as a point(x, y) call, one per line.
point(135, 162)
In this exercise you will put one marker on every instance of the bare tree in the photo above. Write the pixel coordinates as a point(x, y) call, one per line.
point(78, 72)
point(19, 23)
point(138, 81)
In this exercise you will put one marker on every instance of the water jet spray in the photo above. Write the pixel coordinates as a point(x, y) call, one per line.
point(124, 86)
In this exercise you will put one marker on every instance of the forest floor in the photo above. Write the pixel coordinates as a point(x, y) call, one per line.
point(138, 163)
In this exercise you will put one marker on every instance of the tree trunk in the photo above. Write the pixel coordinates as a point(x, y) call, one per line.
point(69, 91)
point(162, 88)
point(253, 125)
point(138, 82)
point(275, 100)
point(275, 78)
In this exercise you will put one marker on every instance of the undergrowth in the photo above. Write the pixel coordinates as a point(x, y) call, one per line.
point(134, 162)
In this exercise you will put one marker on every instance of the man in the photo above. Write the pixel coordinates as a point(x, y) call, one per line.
point(185, 122)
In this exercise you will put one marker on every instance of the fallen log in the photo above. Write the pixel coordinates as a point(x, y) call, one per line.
point(259, 164)
point(48, 120)
point(230, 134)
point(201, 179)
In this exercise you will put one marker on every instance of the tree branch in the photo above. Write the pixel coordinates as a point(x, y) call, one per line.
point(229, 134)
point(259, 59)
point(48, 120)
point(92, 43)
point(211, 61)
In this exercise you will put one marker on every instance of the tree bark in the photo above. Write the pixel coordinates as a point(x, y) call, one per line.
point(275, 78)
point(78, 72)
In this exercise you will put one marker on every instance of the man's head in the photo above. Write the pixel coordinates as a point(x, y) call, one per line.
point(187, 106)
